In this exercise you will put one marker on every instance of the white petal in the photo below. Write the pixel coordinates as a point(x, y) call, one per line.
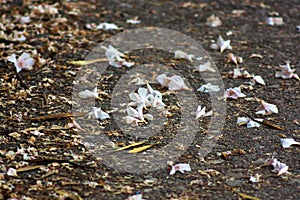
point(107, 26)
point(206, 67)
point(270, 108)
point(135, 197)
point(12, 172)
point(132, 112)
point(213, 21)
point(180, 54)
point(200, 112)
point(287, 142)
point(162, 79)
point(88, 94)
point(133, 21)
point(234, 93)
point(181, 168)
point(148, 116)
point(223, 44)
point(131, 120)
point(253, 124)
point(100, 114)
point(259, 79)
point(177, 83)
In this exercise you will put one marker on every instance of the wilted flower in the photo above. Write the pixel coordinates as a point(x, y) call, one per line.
point(23, 62)
point(209, 88)
point(221, 44)
point(180, 54)
point(250, 123)
point(287, 142)
point(266, 108)
point(181, 168)
point(287, 72)
point(116, 58)
point(279, 167)
point(234, 93)
point(173, 82)
point(213, 21)
point(89, 94)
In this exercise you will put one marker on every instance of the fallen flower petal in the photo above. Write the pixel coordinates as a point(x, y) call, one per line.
point(89, 94)
point(240, 73)
point(258, 79)
point(173, 82)
point(279, 167)
point(234, 59)
point(200, 112)
point(24, 19)
point(133, 21)
point(98, 113)
point(206, 67)
point(107, 26)
point(287, 142)
point(255, 178)
point(181, 168)
point(17, 36)
point(12, 172)
point(250, 123)
point(209, 88)
point(266, 108)
point(180, 54)
point(135, 197)
point(23, 62)
point(275, 21)
point(213, 21)
point(286, 72)
point(221, 44)
point(116, 58)
point(234, 93)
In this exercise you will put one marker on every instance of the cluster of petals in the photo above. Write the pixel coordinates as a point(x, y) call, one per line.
point(144, 98)
point(279, 167)
point(116, 58)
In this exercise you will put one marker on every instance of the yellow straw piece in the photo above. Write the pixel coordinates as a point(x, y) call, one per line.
point(132, 145)
point(139, 149)
point(87, 62)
